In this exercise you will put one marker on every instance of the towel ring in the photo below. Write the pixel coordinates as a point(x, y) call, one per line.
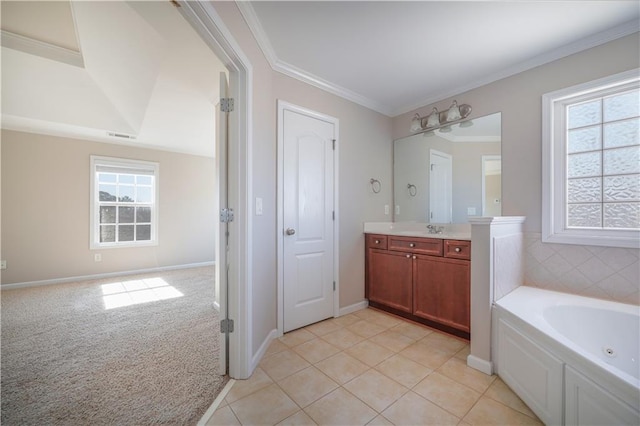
point(412, 189)
point(376, 186)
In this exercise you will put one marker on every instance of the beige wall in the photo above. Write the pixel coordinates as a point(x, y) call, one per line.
point(365, 151)
point(45, 209)
point(555, 266)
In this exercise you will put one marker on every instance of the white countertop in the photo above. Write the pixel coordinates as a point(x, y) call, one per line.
point(451, 231)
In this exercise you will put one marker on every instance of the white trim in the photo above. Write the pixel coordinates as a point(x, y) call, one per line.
point(257, 357)
point(499, 220)
point(290, 70)
point(353, 308)
point(480, 364)
point(216, 403)
point(104, 275)
point(486, 158)
point(40, 48)
point(281, 107)
point(204, 18)
point(276, 64)
point(554, 229)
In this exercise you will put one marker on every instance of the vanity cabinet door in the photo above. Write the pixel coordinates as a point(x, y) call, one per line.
point(441, 291)
point(390, 279)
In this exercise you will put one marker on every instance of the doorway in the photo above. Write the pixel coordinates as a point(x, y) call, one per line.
point(440, 187)
point(307, 217)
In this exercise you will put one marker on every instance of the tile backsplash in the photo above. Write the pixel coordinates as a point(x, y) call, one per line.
point(601, 272)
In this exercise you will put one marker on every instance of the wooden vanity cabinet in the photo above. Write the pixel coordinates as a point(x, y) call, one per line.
point(423, 279)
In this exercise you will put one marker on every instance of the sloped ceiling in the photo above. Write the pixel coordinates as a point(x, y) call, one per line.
point(143, 73)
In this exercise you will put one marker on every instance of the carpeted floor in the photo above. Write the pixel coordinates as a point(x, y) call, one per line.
point(67, 360)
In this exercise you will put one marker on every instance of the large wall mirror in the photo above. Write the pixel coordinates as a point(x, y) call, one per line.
point(450, 174)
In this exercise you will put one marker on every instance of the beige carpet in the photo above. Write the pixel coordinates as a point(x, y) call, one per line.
point(66, 360)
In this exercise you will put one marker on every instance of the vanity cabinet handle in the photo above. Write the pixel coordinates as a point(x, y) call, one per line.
point(415, 257)
point(377, 241)
point(412, 245)
point(408, 256)
point(458, 249)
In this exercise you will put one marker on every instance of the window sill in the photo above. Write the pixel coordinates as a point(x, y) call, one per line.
point(97, 246)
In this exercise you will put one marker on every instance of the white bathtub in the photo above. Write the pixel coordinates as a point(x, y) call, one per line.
point(572, 359)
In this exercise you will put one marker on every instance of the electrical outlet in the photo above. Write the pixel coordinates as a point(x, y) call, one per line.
point(97, 257)
point(3, 264)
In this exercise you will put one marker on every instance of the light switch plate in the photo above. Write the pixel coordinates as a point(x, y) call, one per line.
point(386, 209)
point(258, 206)
point(471, 211)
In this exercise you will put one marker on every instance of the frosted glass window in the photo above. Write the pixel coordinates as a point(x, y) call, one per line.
point(123, 210)
point(603, 162)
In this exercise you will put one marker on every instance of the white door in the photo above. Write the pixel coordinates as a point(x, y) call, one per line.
point(222, 237)
point(440, 187)
point(308, 224)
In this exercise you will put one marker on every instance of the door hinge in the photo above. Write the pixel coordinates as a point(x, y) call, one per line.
point(226, 326)
point(226, 104)
point(334, 286)
point(334, 144)
point(333, 215)
point(431, 215)
point(226, 215)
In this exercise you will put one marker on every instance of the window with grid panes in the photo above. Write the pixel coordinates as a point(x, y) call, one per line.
point(124, 200)
point(592, 163)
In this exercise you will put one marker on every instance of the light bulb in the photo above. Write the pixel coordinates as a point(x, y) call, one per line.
point(453, 113)
point(434, 118)
point(415, 123)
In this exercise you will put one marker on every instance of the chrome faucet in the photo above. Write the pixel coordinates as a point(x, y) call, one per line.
point(435, 229)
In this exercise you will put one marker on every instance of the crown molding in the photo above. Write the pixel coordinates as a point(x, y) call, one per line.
point(40, 48)
point(250, 17)
point(594, 40)
point(276, 64)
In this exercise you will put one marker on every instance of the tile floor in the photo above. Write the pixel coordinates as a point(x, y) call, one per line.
point(371, 368)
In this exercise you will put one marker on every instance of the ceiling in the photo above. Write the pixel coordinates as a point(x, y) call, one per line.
point(118, 72)
point(137, 73)
point(396, 56)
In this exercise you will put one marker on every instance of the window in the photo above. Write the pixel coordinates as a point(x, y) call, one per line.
point(124, 196)
point(591, 163)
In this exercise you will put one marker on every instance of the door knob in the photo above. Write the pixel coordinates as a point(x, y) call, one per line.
point(290, 231)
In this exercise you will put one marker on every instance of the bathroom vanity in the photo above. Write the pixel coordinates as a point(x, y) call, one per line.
point(422, 278)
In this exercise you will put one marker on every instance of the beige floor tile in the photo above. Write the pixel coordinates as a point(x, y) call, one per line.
point(347, 320)
point(316, 350)
point(404, 371)
point(370, 353)
point(444, 342)
point(448, 394)
point(223, 417)
point(367, 314)
point(294, 338)
point(298, 419)
point(323, 327)
point(275, 347)
point(463, 353)
point(458, 370)
point(267, 406)
point(500, 392)
point(487, 411)
point(380, 421)
point(386, 321)
point(241, 388)
point(307, 386)
point(425, 354)
point(342, 367)
point(415, 331)
point(376, 390)
point(340, 408)
point(283, 364)
point(412, 409)
point(223, 403)
point(365, 328)
point(392, 340)
point(343, 338)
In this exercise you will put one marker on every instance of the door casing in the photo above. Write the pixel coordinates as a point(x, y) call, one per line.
point(282, 106)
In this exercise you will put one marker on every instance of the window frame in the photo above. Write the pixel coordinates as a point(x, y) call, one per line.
point(120, 165)
point(554, 159)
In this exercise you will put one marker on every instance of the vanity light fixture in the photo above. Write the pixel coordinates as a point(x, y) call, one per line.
point(440, 119)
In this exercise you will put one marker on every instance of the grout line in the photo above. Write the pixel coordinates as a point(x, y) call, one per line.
point(216, 403)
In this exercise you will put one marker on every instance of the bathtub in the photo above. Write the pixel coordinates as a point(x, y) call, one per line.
point(572, 359)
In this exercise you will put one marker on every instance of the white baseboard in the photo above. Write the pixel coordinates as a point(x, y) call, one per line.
point(480, 364)
point(263, 349)
point(353, 308)
point(105, 275)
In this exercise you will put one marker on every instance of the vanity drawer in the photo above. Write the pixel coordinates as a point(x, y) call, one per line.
point(376, 241)
point(457, 249)
point(430, 246)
